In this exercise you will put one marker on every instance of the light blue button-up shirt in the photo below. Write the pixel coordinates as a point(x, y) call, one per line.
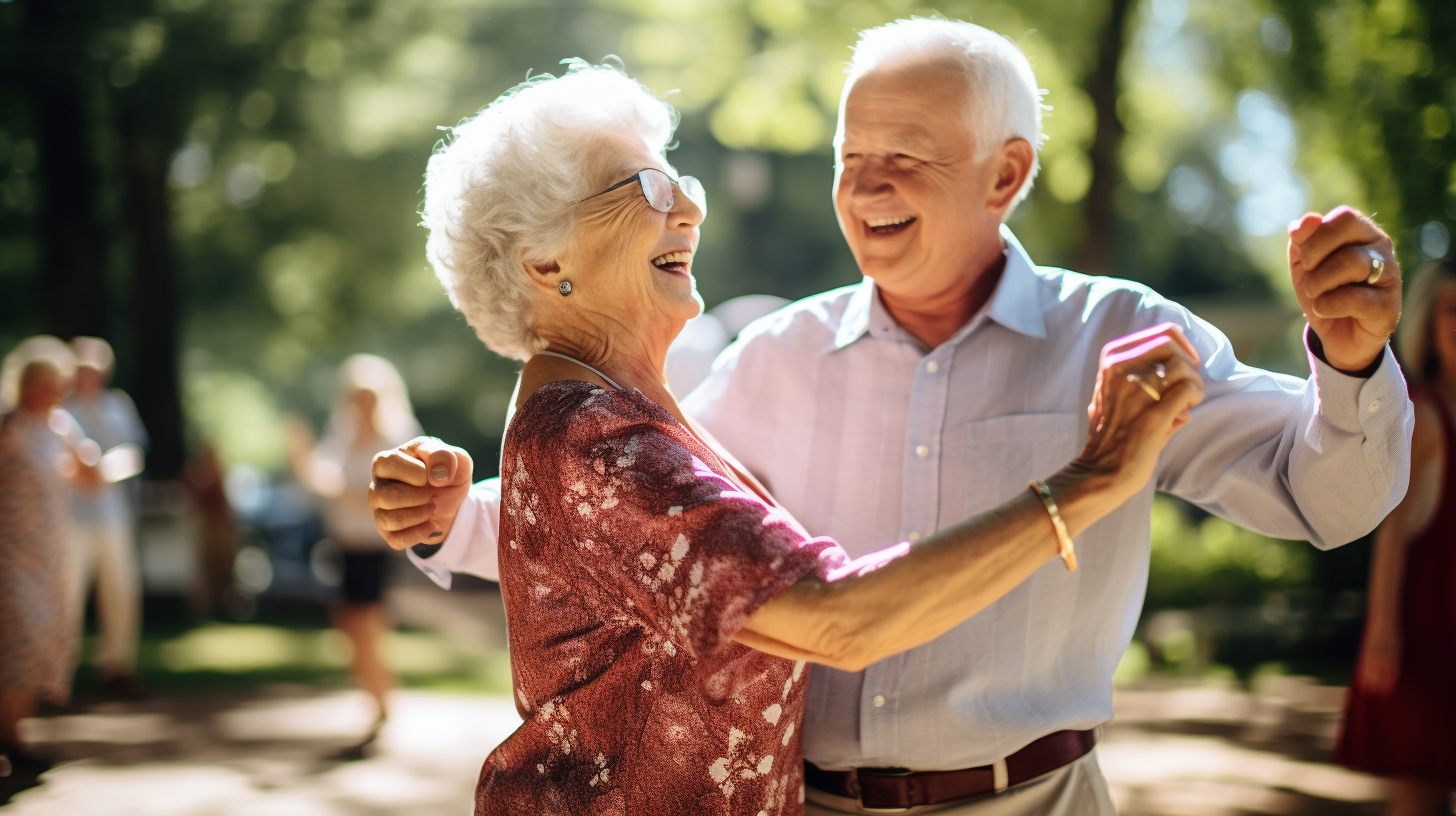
point(867, 437)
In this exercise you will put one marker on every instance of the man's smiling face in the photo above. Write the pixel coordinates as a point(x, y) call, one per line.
point(910, 188)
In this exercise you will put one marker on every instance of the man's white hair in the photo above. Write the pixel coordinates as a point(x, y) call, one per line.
point(1003, 101)
point(500, 189)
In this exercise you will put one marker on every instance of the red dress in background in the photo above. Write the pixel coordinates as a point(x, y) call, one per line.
point(1411, 732)
point(629, 558)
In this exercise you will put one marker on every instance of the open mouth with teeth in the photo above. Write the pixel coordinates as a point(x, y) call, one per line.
point(889, 226)
point(675, 262)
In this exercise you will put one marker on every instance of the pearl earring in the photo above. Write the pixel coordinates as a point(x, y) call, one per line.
point(564, 288)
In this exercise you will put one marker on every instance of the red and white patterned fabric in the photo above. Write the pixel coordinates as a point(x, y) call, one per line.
point(630, 556)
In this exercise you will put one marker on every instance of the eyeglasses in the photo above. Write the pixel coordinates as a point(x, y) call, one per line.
point(657, 189)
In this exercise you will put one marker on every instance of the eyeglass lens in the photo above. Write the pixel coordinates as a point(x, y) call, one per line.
point(657, 189)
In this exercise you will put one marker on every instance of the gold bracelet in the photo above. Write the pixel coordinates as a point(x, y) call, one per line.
point(1064, 539)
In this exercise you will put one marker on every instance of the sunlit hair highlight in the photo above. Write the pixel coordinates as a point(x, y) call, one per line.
point(500, 187)
point(1415, 335)
point(1003, 101)
point(40, 350)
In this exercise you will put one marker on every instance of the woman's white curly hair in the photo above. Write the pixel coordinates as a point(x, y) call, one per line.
point(499, 189)
point(40, 350)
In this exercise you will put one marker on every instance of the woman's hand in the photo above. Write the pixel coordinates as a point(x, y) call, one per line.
point(417, 491)
point(1128, 425)
point(1379, 667)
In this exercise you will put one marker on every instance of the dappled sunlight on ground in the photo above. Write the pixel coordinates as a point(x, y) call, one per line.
point(267, 756)
point(1179, 747)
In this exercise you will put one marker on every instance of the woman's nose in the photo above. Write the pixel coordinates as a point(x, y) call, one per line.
point(685, 214)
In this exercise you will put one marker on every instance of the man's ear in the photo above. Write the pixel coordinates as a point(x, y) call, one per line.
point(1010, 167)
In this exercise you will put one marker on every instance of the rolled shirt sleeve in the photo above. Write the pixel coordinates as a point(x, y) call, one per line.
point(1322, 459)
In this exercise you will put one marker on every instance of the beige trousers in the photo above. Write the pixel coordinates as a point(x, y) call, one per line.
point(1076, 789)
point(107, 553)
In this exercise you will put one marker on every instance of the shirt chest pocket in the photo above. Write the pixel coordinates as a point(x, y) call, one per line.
point(988, 461)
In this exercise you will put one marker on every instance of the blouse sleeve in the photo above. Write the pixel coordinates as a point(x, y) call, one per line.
point(655, 532)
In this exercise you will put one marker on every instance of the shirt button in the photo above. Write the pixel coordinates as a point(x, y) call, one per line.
point(922, 451)
point(914, 536)
point(932, 366)
point(879, 700)
point(1374, 406)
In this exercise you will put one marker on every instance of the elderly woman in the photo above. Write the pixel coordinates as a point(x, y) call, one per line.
point(662, 608)
point(39, 447)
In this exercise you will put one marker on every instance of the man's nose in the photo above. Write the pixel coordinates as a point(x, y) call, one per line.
point(870, 180)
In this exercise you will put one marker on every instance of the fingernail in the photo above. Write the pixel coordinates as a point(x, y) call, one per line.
point(436, 534)
point(440, 473)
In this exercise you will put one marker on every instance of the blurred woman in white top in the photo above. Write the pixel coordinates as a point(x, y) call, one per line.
point(372, 413)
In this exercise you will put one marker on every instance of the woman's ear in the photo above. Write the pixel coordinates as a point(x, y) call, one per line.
point(544, 274)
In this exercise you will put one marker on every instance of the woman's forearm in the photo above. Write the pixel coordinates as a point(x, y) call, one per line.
point(914, 598)
point(1386, 574)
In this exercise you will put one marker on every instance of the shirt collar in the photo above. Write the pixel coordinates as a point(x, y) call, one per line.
point(1016, 303)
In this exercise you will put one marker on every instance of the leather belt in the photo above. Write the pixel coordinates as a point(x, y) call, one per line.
point(892, 789)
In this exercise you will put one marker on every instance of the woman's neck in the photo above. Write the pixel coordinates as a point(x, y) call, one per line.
point(634, 360)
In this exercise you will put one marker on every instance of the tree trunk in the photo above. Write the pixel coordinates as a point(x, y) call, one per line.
point(154, 298)
point(71, 240)
point(1098, 211)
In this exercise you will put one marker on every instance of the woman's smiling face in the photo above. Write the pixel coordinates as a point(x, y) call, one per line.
point(627, 262)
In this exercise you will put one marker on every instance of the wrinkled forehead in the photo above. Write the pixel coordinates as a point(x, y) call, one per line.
point(908, 102)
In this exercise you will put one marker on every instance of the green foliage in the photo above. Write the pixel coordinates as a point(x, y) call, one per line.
point(296, 133)
point(1212, 561)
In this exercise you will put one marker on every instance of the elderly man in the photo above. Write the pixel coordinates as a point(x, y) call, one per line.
point(956, 372)
point(103, 516)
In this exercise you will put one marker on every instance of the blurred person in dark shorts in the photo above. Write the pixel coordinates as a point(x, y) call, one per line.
point(373, 412)
point(1400, 716)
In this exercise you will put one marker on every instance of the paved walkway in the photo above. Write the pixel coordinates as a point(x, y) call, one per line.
point(1176, 749)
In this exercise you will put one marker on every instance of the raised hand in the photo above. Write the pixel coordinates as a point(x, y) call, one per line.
point(1146, 384)
point(1331, 263)
point(417, 491)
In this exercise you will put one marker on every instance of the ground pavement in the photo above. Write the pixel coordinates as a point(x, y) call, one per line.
point(1178, 748)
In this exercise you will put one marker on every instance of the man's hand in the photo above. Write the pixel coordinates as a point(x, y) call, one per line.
point(1330, 261)
point(417, 491)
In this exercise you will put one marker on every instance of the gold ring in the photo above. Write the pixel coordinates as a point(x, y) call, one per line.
point(1147, 389)
point(1377, 267)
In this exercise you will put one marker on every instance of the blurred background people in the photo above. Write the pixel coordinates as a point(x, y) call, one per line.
point(103, 517)
point(373, 413)
point(216, 543)
point(39, 444)
point(1400, 715)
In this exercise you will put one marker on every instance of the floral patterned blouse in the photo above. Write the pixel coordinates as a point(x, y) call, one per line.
point(631, 556)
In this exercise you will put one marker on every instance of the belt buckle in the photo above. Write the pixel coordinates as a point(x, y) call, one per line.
point(871, 800)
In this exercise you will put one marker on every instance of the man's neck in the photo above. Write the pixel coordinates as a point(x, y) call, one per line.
point(934, 317)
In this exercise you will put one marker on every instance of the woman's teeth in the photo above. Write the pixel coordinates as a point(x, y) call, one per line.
point(889, 224)
point(678, 261)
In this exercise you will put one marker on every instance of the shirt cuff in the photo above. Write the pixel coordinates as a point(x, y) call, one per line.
point(1348, 401)
point(1316, 346)
point(434, 559)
